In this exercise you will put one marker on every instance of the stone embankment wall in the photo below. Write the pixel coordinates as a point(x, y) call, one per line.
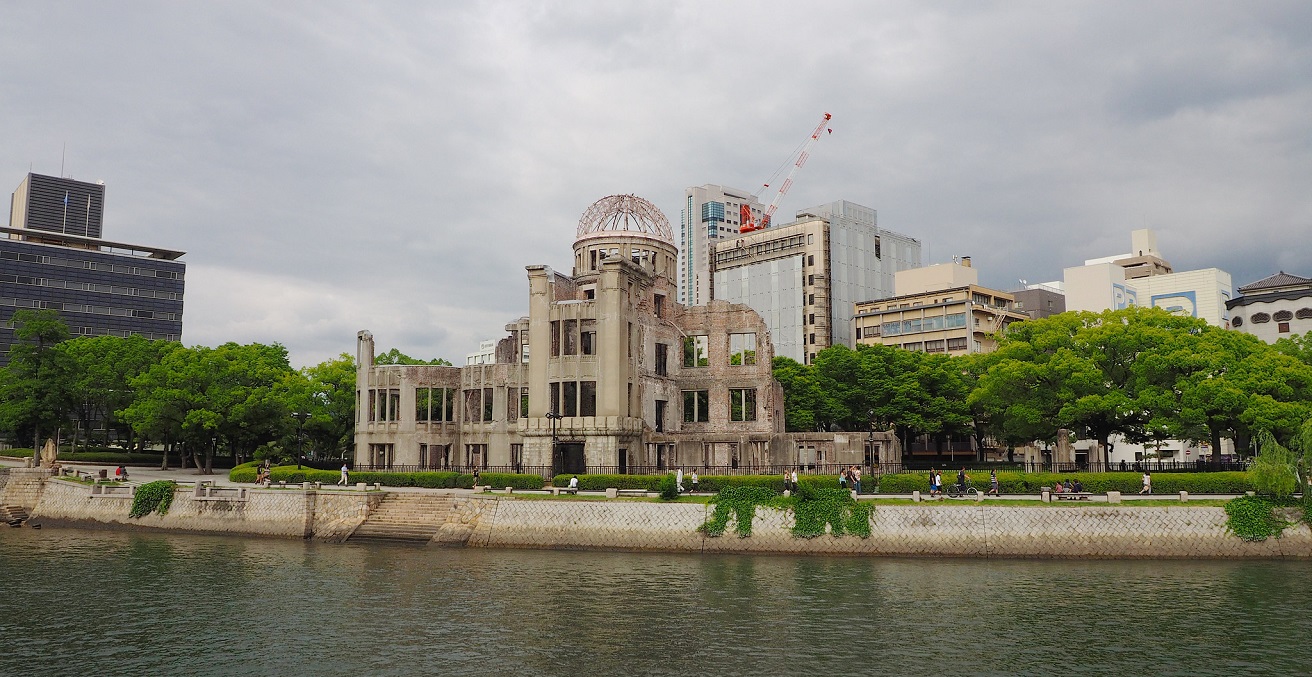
point(291, 513)
point(952, 530)
point(914, 530)
point(23, 487)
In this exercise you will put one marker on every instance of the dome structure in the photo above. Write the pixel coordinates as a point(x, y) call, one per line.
point(624, 215)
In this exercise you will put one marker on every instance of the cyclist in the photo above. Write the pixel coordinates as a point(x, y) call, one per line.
point(962, 478)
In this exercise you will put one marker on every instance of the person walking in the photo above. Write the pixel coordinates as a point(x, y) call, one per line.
point(933, 486)
point(842, 478)
point(345, 476)
point(1147, 483)
point(856, 479)
point(694, 482)
point(787, 482)
point(794, 479)
point(678, 480)
point(993, 483)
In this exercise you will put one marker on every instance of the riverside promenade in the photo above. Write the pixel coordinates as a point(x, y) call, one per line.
point(1159, 527)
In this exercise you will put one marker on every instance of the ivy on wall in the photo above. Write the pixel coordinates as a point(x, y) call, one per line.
point(153, 497)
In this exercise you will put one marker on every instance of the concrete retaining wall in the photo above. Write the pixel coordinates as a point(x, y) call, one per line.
point(23, 488)
point(266, 512)
point(921, 530)
point(912, 530)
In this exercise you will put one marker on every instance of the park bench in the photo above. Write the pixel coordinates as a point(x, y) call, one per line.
point(1073, 496)
point(556, 491)
point(632, 492)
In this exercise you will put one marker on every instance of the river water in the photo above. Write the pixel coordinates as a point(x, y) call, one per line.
point(114, 603)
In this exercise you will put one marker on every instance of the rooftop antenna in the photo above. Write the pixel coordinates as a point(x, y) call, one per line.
point(62, 151)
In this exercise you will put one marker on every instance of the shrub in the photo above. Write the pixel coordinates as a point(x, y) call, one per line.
point(18, 453)
point(740, 503)
point(599, 482)
point(153, 497)
point(427, 479)
point(1094, 482)
point(668, 487)
point(1253, 518)
point(814, 508)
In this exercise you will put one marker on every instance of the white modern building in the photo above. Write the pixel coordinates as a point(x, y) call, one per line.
point(1274, 307)
point(710, 214)
point(805, 277)
point(1141, 277)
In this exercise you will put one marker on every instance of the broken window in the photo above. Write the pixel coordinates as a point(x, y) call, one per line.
point(696, 351)
point(523, 402)
point(742, 404)
point(555, 338)
point(487, 404)
point(512, 410)
point(421, 405)
point(570, 336)
point(662, 360)
point(742, 349)
point(696, 406)
point(570, 398)
point(587, 398)
point(660, 305)
point(588, 337)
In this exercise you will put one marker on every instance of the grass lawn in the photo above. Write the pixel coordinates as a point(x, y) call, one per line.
point(1035, 503)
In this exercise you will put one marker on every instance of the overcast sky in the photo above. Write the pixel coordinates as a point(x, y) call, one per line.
point(336, 166)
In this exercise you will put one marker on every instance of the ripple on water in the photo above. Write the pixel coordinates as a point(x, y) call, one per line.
point(113, 603)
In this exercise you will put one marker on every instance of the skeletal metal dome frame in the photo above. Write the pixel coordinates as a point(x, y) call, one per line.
point(625, 214)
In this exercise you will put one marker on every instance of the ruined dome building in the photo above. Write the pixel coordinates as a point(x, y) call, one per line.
point(606, 374)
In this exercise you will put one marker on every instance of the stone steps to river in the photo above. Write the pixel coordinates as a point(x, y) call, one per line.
point(12, 515)
point(405, 518)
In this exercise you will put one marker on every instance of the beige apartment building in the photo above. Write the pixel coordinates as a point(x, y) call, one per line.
point(607, 373)
point(937, 309)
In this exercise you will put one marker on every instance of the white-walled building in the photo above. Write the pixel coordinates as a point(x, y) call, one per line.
point(1142, 278)
point(1274, 307)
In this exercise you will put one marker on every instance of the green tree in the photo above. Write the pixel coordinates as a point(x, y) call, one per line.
point(239, 395)
point(395, 356)
point(329, 398)
point(1298, 347)
point(36, 387)
point(103, 368)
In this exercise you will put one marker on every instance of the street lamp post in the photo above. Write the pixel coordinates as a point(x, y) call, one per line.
point(300, 417)
point(554, 417)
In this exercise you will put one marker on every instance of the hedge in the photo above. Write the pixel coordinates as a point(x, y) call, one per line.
point(429, 480)
point(705, 483)
point(1094, 482)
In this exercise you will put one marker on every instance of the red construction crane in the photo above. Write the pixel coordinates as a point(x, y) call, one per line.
point(799, 157)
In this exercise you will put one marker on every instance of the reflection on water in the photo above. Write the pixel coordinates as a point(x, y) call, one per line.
point(113, 603)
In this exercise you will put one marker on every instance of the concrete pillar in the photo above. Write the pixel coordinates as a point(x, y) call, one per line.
point(1184, 497)
point(1045, 497)
point(915, 497)
point(1113, 497)
point(612, 492)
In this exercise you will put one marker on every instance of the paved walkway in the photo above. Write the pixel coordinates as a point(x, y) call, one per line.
point(140, 475)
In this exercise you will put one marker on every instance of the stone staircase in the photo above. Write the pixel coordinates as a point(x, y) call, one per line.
point(404, 518)
point(12, 515)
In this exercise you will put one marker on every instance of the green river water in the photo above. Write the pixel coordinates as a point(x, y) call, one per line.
point(80, 602)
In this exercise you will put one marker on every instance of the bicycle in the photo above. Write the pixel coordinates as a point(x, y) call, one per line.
point(956, 491)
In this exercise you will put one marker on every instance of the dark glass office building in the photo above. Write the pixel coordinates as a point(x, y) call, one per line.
point(52, 257)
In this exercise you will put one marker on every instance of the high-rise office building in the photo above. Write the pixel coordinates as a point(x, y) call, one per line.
point(57, 261)
point(805, 277)
point(710, 214)
point(58, 205)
